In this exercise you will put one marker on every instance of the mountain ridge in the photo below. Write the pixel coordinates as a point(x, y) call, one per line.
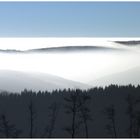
point(61, 49)
point(130, 43)
point(130, 76)
point(16, 81)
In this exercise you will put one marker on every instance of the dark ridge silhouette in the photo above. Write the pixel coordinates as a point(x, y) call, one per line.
point(63, 49)
point(133, 42)
point(71, 113)
point(11, 51)
point(72, 49)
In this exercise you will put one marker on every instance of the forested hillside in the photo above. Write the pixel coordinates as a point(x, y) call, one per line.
point(113, 111)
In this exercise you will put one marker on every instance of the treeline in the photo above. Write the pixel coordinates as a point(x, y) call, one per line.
point(110, 112)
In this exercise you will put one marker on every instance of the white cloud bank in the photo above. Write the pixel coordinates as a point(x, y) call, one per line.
point(32, 43)
point(82, 67)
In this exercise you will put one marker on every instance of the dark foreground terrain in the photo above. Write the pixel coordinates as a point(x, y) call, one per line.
point(109, 112)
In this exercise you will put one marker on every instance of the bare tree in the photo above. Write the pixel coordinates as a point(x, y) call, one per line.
point(130, 111)
point(32, 114)
point(7, 129)
point(73, 107)
point(137, 119)
point(136, 125)
point(53, 112)
point(85, 111)
point(111, 113)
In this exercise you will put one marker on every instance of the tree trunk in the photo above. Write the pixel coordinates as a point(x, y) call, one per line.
point(114, 128)
point(86, 128)
point(73, 124)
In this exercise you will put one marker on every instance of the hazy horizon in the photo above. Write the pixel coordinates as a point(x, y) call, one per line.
point(20, 43)
point(36, 25)
point(78, 66)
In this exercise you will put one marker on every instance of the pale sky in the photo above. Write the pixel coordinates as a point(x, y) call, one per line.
point(69, 19)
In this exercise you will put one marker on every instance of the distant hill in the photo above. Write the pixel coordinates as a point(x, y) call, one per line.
point(133, 42)
point(131, 76)
point(16, 81)
point(64, 49)
point(10, 51)
point(73, 49)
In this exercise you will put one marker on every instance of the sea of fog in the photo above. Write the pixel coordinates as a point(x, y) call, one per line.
point(78, 66)
point(66, 64)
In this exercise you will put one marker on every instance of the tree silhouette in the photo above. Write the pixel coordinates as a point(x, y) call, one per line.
point(137, 119)
point(53, 112)
point(111, 113)
point(130, 111)
point(73, 107)
point(32, 114)
point(8, 130)
point(85, 111)
point(76, 114)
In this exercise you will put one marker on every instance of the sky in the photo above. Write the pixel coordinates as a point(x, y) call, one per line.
point(69, 19)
